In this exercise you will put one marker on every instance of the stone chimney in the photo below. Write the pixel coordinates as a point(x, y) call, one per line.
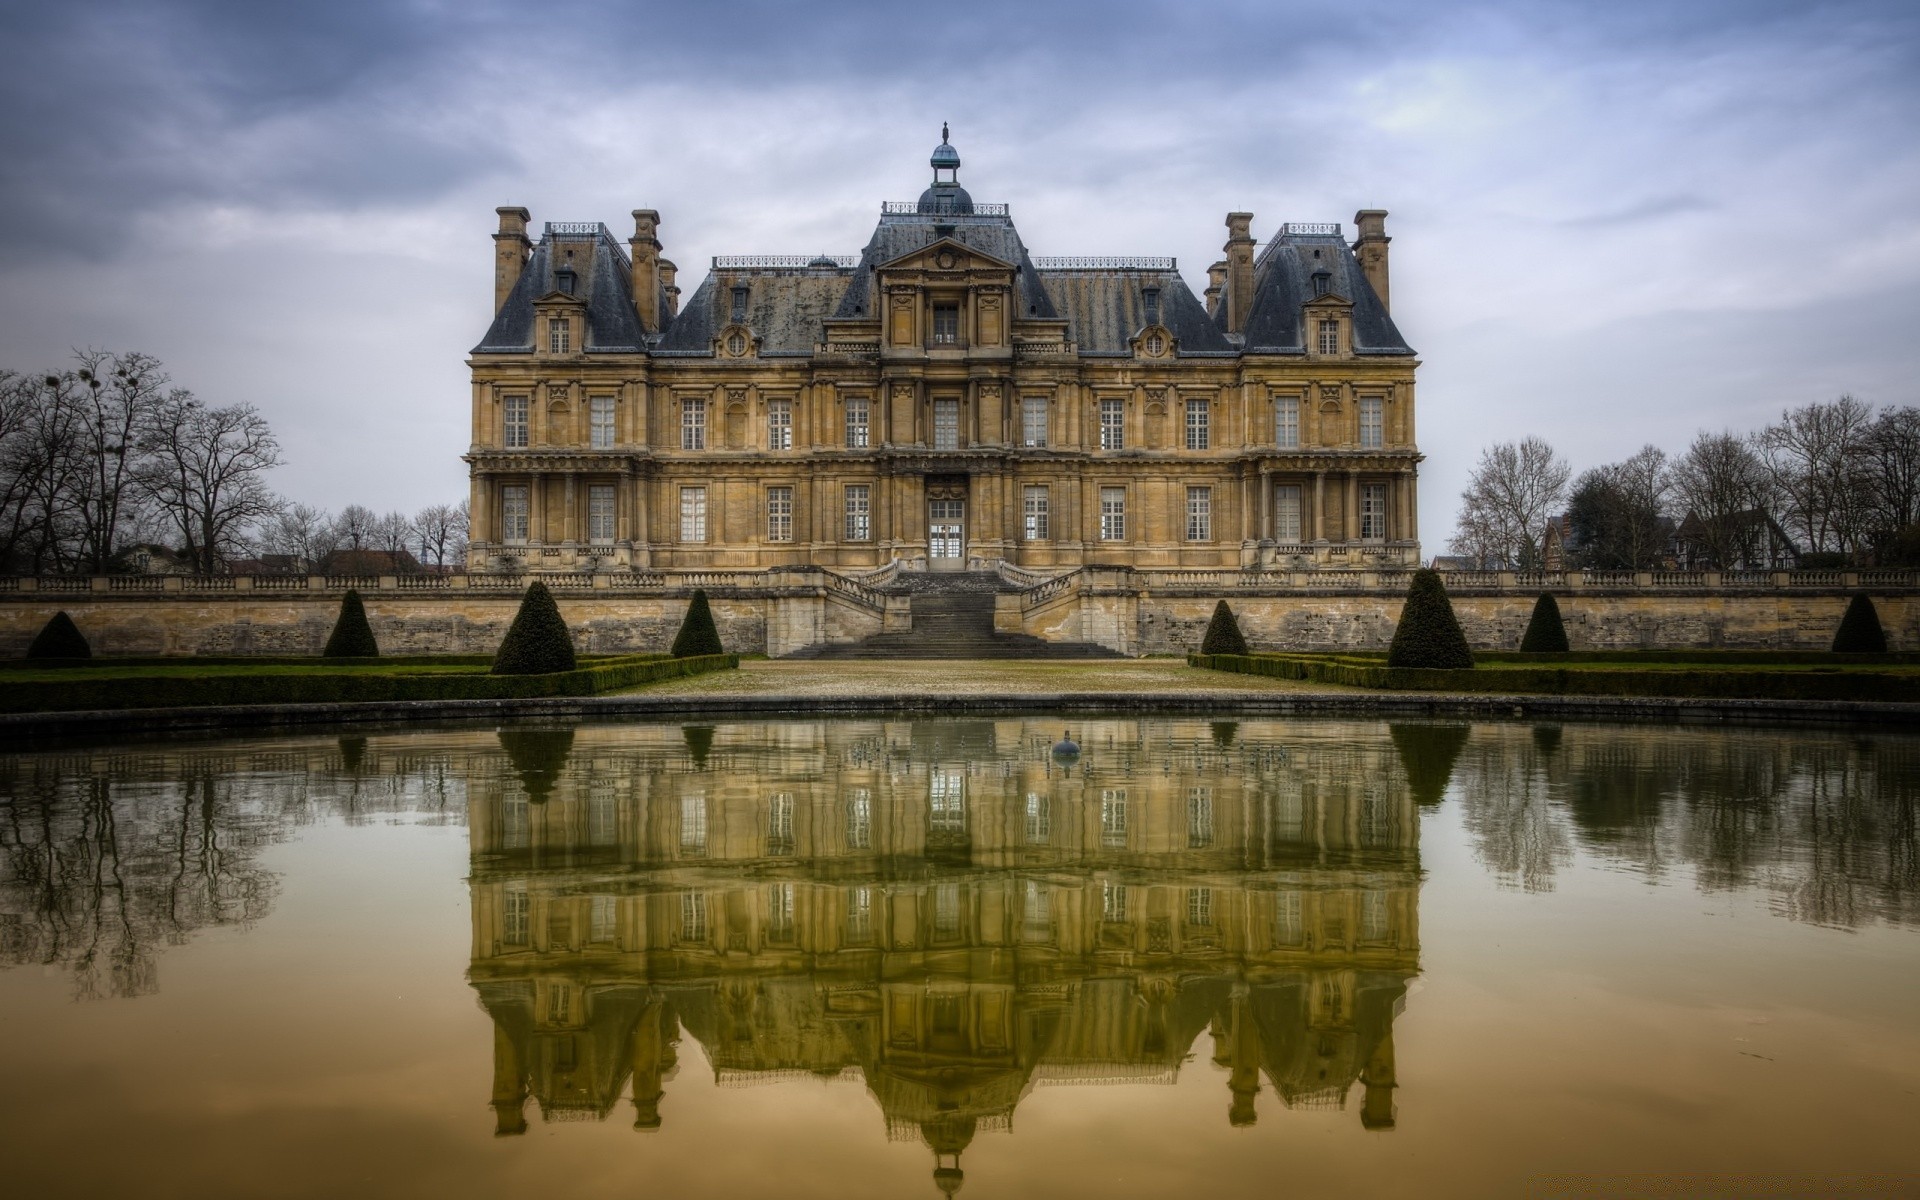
point(1216, 284)
point(510, 250)
point(646, 268)
point(667, 272)
point(1371, 249)
point(1239, 250)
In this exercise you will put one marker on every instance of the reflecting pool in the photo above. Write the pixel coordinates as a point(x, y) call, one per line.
point(896, 958)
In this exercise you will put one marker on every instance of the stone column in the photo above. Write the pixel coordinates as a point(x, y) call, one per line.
point(1319, 520)
point(569, 518)
point(536, 508)
point(1350, 514)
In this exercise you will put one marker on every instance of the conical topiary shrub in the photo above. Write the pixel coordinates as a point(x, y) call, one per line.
point(1223, 633)
point(1545, 633)
point(1859, 632)
point(697, 634)
point(1428, 634)
point(352, 637)
point(537, 643)
point(61, 638)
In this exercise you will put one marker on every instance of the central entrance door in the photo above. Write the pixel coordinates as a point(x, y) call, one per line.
point(946, 535)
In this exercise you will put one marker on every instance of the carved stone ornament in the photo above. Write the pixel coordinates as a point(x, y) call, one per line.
point(1329, 392)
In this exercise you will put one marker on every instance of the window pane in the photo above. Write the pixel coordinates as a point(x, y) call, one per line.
point(600, 409)
point(1033, 421)
point(780, 514)
point(1113, 514)
point(559, 335)
point(946, 323)
point(693, 824)
point(1199, 514)
point(516, 422)
point(1373, 511)
point(859, 513)
point(1112, 427)
point(1199, 420)
point(1371, 422)
point(513, 513)
point(856, 422)
point(600, 513)
point(1286, 422)
point(693, 514)
point(1329, 337)
point(1034, 507)
point(693, 424)
point(780, 425)
point(859, 819)
point(1286, 513)
point(946, 424)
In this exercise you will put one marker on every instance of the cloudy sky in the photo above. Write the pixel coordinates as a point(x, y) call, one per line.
point(1613, 222)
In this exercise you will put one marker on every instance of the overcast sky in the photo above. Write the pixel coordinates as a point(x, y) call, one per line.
point(1613, 222)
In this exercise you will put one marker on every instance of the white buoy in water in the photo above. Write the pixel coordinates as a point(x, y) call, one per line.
point(1066, 747)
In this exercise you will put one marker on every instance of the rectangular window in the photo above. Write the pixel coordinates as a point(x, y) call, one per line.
point(600, 514)
point(946, 424)
point(779, 424)
point(600, 422)
point(515, 920)
point(513, 513)
point(1113, 429)
point(1113, 902)
point(1113, 817)
point(693, 917)
point(1113, 514)
point(693, 514)
point(693, 423)
point(1372, 422)
point(860, 915)
point(780, 824)
point(693, 825)
point(857, 427)
point(1200, 906)
point(516, 423)
point(779, 514)
point(559, 335)
point(1289, 925)
point(946, 324)
point(1033, 421)
point(1286, 513)
point(1373, 512)
point(602, 813)
point(947, 802)
point(780, 913)
point(1286, 422)
point(518, 819)
point(601, 919)
point(1329, 337)
point(946, 911)
point(1199, 818)
point(1039, 819)
point(739, 303)
point(1199, 514)
point(860, 819)
point(859, 513)
point(1037, 912)
point(1199, 425)
point(1033, 504)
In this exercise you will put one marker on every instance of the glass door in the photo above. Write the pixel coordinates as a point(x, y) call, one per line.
point(946, 532)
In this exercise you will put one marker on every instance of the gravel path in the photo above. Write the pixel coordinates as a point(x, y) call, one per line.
point(946, 677)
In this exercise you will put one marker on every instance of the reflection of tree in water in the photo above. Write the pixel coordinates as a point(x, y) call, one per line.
point(107, 857)
point(1824, 823)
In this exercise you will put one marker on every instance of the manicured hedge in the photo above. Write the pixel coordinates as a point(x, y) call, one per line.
point(1705, 683)
point(1223, 634)
point(537, 643)
point(352, 636)
point(1860, 631)
point(60, 638)
point(698, 635)
point(1428, 634)
point(1546, 633)
point(1706, 658)
point(325, 687)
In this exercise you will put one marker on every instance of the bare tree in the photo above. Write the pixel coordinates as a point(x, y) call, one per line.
point(118, 396)
point(1816, 456)
point(1725, 491)
point(441, 529)
point(1618, 513)
point(1892, 464)
point(303, 532)
point(1504, 511)
point(354, 528)
point(205, 469)
point(42, 471)
point(392, 534)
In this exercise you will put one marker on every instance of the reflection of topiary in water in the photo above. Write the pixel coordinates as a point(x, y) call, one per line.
point(1860, 631)
point(538, 757)
point(537, 643)
point(352, 637)
point(1223, 633)
point(1546, 738)
point(1224, 732)
point(1427, 754)
point(697, 634)
point(1428, 634)
point(699, 743)
point(353, 752)
point(1546, 633)
point(60, 638)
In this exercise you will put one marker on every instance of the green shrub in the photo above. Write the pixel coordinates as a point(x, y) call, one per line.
point(60, 638)
point(352, 637)
point(699, 739)
point(1427, 753)
point(697, 634)
point(537, 643)
point(1428, 634)
point(1860, 631)
point(1223, 633)
point(1545, 633)
point(538, 757)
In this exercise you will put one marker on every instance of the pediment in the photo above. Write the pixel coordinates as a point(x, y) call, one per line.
point(946, 254)
point(1330, 300)
point(560, 299)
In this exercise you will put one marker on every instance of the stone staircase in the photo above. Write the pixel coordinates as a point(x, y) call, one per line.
point(953, 619)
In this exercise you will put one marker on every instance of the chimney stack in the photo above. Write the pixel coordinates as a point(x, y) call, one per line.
point(510, 250)
point(1239, 250)
point(1372, 250)
point(667, 271)
point(1216, 284)
point(646, 268)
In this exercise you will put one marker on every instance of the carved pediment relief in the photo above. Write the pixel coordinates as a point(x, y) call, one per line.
point(946, 254)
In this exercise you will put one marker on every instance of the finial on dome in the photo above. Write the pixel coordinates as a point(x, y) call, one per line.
point(944, 135)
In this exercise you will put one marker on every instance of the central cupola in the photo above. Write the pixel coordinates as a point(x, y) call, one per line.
point(946, 195)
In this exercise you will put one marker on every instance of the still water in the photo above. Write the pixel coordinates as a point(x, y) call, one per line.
point(896, 958)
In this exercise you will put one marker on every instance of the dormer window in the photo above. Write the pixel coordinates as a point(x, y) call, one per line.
point(563, 280)
point(1152, 297)
point(736, 344)
point(1322, 282)
point(946, 324)
point(1329, 336)
point(1155, 345)
point(559, 335)
point(739, 303)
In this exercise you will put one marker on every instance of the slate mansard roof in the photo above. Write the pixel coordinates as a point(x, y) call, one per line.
point(788, 300)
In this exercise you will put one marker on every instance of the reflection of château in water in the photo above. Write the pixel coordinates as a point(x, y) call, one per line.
point(944, 908)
